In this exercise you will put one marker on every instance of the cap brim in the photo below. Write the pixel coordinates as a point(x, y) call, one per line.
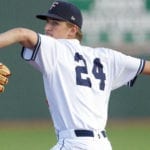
point(53, 16)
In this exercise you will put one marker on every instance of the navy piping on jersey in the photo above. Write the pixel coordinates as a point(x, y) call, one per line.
point(35, 51)
point(141, 67)
point(62, 145)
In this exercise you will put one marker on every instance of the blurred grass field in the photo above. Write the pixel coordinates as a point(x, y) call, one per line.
point(126, 135)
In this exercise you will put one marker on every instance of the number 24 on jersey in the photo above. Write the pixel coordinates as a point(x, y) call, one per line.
point(97, 71)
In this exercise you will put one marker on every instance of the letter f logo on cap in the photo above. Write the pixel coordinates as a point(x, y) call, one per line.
point(54, 5)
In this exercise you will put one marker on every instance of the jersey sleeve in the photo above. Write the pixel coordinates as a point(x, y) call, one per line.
point(125, 69)
point(28, 54)
point(44, 55)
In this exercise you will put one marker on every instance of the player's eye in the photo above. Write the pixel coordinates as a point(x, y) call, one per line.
point(53, 22)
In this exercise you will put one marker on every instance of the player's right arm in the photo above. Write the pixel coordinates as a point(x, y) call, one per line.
point(146, 69)
point(25, 37)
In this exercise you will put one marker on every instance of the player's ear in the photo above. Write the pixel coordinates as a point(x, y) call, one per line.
point(73, 31)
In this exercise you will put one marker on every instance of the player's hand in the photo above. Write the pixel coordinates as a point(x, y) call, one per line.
point(4, 74)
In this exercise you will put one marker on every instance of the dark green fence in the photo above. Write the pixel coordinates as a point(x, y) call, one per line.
point(24, 96)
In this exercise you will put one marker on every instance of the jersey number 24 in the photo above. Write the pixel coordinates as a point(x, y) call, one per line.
point(97, 71)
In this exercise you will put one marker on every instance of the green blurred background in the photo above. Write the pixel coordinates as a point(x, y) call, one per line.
point(119, 24)
point(24, 96)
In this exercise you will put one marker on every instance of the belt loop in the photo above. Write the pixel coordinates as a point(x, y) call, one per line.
point(104, 133)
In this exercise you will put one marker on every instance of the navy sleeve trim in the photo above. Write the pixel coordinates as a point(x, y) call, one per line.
point(141, 67)
point(35, 51)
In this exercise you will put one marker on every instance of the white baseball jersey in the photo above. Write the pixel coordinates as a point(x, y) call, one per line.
point(78, 80)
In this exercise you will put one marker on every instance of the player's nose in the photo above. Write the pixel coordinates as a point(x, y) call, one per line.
point(48, 29)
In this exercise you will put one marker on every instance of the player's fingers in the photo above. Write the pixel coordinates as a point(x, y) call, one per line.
point(3, 79)
point(1, 65)
point(4, 70)
point(1, 88)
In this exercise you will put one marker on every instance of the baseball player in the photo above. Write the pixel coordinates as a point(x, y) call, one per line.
point(4, 74)
point(77, 79)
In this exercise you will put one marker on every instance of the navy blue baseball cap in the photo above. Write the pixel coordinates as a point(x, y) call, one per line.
point(64, 11)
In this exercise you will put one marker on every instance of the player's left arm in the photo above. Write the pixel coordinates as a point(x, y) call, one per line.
point(146, 69)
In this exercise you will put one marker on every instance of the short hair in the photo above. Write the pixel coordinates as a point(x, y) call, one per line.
point(79, 34)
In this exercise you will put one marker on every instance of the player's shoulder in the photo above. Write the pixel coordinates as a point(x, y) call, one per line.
point(45, 37)
point(69, 41)
point(102, 51)
point(109, 52)
point(62, 42)
point(105, 50)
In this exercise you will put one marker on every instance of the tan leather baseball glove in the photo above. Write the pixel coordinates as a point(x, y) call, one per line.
point(4, 74)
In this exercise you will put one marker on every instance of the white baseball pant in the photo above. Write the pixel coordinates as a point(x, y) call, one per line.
point(82, 140)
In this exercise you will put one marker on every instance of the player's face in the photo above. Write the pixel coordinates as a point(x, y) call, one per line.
point(58, 29)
